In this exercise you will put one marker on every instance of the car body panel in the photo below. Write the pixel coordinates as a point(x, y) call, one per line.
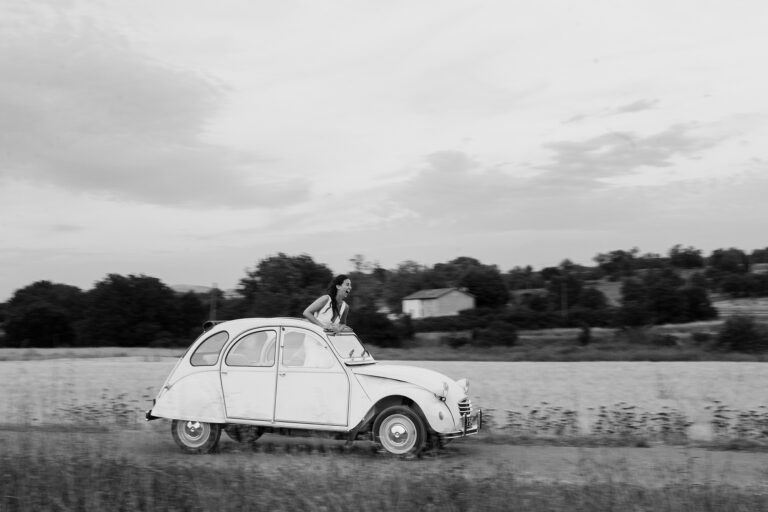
point(241, 402)
point(312, 398)
point(194, 396)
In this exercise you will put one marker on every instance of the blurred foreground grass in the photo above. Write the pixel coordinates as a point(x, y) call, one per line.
point(40, 479)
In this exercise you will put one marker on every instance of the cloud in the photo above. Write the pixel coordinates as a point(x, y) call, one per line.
point(636, 106)
point(613, 154)
point(454, 191)
point(82, 110)
point(65, 228)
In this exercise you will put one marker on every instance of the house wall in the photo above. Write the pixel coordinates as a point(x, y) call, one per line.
point(413, 307)
point(449, 304)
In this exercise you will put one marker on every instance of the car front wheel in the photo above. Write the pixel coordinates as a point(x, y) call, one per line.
point(400, 431)
point(195, 436)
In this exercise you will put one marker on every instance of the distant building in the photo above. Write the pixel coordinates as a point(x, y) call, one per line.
point(437, 302)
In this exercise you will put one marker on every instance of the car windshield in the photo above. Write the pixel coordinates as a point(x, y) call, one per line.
point(350, 349)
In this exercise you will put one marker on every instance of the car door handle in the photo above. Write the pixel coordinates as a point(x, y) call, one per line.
point(282, 374)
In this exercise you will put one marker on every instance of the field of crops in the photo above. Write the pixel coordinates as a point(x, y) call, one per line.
point(73, 437)
point(695, 400)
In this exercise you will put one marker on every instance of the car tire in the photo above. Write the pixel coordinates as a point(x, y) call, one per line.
point(400, 431)
point(243, 433)
point(196, 436)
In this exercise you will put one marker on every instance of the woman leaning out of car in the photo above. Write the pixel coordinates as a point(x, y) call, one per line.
point(329, 311)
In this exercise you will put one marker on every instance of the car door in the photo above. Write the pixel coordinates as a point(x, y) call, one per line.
point(312, 386)
point(248, 375)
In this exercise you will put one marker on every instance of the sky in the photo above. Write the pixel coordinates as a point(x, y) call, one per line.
point(189, 140)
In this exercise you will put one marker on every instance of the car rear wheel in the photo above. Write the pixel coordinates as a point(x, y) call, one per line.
point(195, 436)
point(243, 433)
point(400, 431)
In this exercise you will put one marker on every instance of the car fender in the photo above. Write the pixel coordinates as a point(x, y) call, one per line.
point(194, 396)
point(434, 410)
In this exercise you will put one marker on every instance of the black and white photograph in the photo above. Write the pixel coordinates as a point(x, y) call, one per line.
point(383, 255)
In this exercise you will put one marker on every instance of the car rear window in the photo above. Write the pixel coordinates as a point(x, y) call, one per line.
point(207, 353)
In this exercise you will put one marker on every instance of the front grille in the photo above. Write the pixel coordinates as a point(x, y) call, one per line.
point(465, 407)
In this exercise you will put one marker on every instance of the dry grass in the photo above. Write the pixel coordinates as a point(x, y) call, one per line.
point(59, 471)
point(539, 397)
point(46, 477)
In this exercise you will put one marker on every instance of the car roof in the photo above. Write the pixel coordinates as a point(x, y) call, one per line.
point(242, 324)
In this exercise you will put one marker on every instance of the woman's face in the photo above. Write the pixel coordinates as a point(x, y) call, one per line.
point(344, 288)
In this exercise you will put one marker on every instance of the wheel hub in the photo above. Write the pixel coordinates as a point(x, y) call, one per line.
point(193, 429)
point(398, 434)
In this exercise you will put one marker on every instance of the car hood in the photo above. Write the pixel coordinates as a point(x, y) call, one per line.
point(427, 379)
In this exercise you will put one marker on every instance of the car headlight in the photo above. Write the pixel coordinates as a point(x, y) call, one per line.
point(444, 394)
point(464, 385)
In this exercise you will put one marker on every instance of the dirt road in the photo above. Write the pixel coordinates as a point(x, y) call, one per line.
point(473, 458)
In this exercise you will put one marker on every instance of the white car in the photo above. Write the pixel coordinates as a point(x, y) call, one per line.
point(287, 376)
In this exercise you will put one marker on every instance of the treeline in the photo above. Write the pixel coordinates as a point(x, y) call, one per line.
point(138, 310)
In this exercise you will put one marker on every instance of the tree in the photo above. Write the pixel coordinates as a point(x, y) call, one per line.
point(487, 285)
point(759, 256)
point(742, 333)
point(283, 285)
point(133, 310)
point(617, 263)
point(662, 296)
point(368, 280)
point(697, 303)
point(520, 278)
point(634, 297)
point(685, 258)
point(729, 261)
point(192, 312)
point(43, 314)
point(592, 298)
point(664, 301)
point(452, 272)
point(375, 328)
point(564, 291)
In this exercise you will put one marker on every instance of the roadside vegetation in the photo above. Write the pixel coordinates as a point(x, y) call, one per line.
point(615, 309)
point(44, 476)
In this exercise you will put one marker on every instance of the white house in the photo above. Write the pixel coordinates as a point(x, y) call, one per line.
point(437, 302)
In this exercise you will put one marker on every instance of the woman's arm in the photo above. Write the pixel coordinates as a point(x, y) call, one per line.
point(313, 308)
point(343, 320)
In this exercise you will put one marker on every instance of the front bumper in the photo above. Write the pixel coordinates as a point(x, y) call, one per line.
point(471, 424)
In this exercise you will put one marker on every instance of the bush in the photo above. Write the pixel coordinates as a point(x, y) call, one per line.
point(375, 328)
point(742, 333)
point(664, 340)
point(497, 333)
point(701, 337)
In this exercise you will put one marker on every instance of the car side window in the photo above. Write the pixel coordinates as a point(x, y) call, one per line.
point(254, 349)
point(207, 353)
point(305, 350)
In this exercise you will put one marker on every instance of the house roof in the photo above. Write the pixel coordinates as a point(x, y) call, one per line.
point(433, 294)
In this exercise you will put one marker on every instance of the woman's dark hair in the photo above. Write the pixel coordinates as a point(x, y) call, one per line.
point(337, 281)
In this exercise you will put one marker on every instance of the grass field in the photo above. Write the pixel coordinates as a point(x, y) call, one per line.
point(666, 401)
point(73, 438)
point(38, 478)
point(96, 480)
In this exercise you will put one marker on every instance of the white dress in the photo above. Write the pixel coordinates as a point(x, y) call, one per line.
point(325, 315)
